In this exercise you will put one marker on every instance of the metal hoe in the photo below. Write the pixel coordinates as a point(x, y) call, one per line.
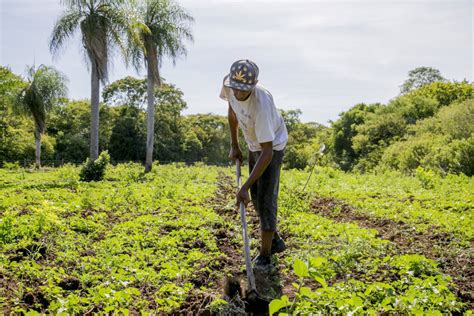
point(252, 292)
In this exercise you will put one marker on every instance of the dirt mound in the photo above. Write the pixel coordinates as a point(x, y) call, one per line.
point(70, 284)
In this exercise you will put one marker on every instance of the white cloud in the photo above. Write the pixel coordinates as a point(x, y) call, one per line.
point(319, 56)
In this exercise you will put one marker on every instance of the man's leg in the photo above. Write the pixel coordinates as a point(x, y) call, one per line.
point(254, 188)
point(267, 238)
point(268, 187)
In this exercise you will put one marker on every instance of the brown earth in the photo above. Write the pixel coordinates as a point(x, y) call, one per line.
point(232, 263)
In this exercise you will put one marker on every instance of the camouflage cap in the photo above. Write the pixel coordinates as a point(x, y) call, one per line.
point(243, 75)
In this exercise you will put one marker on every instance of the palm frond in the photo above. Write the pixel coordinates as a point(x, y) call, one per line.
point(64, 29)
point(94, 40)
point(135, 31)
point(167, 28)
point(46, 86)
point(102, 24)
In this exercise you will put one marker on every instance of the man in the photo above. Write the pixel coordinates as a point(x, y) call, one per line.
point(252, 108)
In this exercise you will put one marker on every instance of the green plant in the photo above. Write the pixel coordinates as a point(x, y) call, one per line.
point(154, 244)
point(417, 294)
point(95, 170)
point(6, 229)
point(11, 165)
point(427, 178)
point(69, 176)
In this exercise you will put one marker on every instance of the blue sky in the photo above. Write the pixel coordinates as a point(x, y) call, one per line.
point(319, 56)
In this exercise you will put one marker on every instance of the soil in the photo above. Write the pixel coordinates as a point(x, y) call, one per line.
point(70, 284)
point(33, 299)
point(196, 304)
point(432, 243)
point(232, 278)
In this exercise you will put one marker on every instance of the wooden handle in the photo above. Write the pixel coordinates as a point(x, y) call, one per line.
point(245, 236)
point(238, 173)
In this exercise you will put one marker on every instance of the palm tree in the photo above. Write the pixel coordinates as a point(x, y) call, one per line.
point(46, 86)
point(164, 27)
point(102, 23)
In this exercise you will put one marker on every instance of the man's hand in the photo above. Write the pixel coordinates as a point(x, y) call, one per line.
point(243, 196)
point(235, 154)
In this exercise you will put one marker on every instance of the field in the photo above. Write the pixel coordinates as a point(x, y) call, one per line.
point(166, 242)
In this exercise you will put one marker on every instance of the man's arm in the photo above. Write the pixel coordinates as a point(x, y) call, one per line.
point(235, 152)
point(262, 163)
point(234, 125)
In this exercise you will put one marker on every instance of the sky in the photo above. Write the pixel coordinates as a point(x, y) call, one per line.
point(322, 57)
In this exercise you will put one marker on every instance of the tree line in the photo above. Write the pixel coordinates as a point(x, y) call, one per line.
point(428, 125)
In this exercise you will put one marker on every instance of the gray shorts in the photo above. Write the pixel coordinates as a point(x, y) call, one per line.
point(264, 191)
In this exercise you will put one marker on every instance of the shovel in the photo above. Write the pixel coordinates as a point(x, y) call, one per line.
point(251, 296)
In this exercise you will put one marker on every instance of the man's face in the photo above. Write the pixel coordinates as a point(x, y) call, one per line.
point(241, 95)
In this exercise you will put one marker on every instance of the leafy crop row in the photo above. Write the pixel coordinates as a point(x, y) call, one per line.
point(149, 243)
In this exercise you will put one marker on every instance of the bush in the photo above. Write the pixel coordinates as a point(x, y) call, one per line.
point(12, 165)
point(95, 170)
point(427, 178)
point(297, 157)
point(408, 155)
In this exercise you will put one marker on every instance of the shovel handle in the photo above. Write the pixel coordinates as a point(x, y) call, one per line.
point(245, 236)
point(237, 173)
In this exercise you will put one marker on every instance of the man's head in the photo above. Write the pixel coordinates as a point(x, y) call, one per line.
point(242, 78)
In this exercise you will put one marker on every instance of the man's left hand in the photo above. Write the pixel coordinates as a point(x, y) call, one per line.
point(243, 196)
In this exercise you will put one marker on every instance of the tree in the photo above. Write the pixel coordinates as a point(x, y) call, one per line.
point(373, 136)
point(162, 32)
point(420, 77)
point(169, 128)
point(102, 23)
point(207, 138)
point(345, 129)
point(291, 118)
point(303, 142)
point(443, 143)
point(70, 127)
point(14, 135)
point(45, 87)
point(445, 93)
point(127, 141)
point(169, 134)
point(128, 91)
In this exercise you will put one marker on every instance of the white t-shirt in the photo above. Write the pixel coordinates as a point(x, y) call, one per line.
point(258, 118)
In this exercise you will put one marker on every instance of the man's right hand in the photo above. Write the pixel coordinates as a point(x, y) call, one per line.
point(235, 154)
